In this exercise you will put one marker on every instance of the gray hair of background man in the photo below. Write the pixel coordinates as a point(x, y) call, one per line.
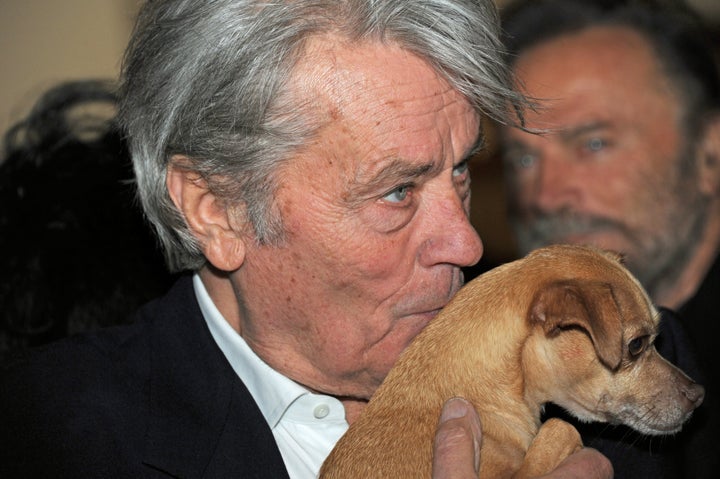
point(674, 31)
point(208, 81)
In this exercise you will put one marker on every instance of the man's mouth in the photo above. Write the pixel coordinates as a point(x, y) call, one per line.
point(432, 303)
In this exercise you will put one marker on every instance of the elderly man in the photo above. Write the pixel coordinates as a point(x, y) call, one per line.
point(306, 161)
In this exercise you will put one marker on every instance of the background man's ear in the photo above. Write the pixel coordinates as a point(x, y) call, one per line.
point(709, 161)
point(206, 215)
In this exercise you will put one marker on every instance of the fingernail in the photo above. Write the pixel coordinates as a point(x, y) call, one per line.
point(454, 408)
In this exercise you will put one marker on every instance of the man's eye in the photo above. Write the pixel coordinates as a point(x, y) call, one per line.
point(595, 144)
point(521, 161)
point(460, 169)
point(398, 195)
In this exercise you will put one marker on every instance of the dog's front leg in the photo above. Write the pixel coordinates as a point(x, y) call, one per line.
point(555, 441)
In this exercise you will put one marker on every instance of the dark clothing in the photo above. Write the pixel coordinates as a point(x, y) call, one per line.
point(700, 316)
point(692, 453)
point(157, 398)
point(153, 399)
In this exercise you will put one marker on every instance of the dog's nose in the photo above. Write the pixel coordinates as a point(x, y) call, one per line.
point(694, 393)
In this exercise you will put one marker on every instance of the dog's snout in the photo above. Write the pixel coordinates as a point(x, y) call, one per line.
point(694, 393)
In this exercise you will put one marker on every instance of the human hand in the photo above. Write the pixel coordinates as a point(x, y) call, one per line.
point(456, 452)
point(586, 463)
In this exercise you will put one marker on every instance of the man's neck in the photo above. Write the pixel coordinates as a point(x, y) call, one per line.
point(676, 291)
point(353, 408)
point(220, 289)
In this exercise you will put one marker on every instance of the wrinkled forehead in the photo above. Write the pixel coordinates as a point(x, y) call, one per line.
point(374, 80)
point(376, 104)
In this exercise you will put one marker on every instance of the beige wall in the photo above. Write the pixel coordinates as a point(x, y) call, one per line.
point(43, 42)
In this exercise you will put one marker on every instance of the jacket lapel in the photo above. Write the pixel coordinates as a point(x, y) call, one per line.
point(203, 421)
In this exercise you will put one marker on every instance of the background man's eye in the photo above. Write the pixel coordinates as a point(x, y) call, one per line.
point(525, 161)
point(595, 144)
point(398, 195)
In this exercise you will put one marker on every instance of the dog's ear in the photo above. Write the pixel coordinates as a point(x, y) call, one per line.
point(588, 305)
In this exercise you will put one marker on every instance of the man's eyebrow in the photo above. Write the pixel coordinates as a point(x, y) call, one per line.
point(395, 169)
point(574, 132)
point(479, 145)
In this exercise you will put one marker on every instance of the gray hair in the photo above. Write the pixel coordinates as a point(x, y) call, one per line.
point(208, 80)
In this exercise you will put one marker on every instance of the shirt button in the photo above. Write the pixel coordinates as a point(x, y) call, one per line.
point(321, 411)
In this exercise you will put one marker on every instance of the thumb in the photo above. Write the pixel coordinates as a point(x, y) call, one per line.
point(456, 452)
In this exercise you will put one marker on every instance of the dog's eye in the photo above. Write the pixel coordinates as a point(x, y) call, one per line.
point(638, 345)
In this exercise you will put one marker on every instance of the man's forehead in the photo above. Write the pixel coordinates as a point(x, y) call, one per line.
point(368, 76)
point(395, 114)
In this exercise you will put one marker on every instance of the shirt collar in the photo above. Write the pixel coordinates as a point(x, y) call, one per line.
point(273, 392)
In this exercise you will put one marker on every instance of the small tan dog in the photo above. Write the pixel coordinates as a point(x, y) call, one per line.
point(566, 324)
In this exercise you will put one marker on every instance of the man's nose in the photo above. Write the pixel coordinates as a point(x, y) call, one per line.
point(556, 186)
point(450, 237)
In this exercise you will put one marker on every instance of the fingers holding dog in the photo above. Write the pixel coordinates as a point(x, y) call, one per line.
point(456, 451)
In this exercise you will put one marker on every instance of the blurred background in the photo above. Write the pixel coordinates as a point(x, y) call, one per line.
point(45, 42)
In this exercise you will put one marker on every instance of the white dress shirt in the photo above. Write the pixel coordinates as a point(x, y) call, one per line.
point(306, 426)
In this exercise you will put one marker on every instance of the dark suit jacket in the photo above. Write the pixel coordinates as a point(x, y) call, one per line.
point(701, 317)
point(153, 399)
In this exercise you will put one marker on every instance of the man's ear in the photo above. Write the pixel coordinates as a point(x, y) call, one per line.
point(208, 218)
point(709, 160)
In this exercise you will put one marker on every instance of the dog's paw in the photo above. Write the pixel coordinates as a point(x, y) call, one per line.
point(555, 441)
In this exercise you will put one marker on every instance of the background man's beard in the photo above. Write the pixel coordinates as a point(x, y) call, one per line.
point(654, 260)
point(546, 229)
